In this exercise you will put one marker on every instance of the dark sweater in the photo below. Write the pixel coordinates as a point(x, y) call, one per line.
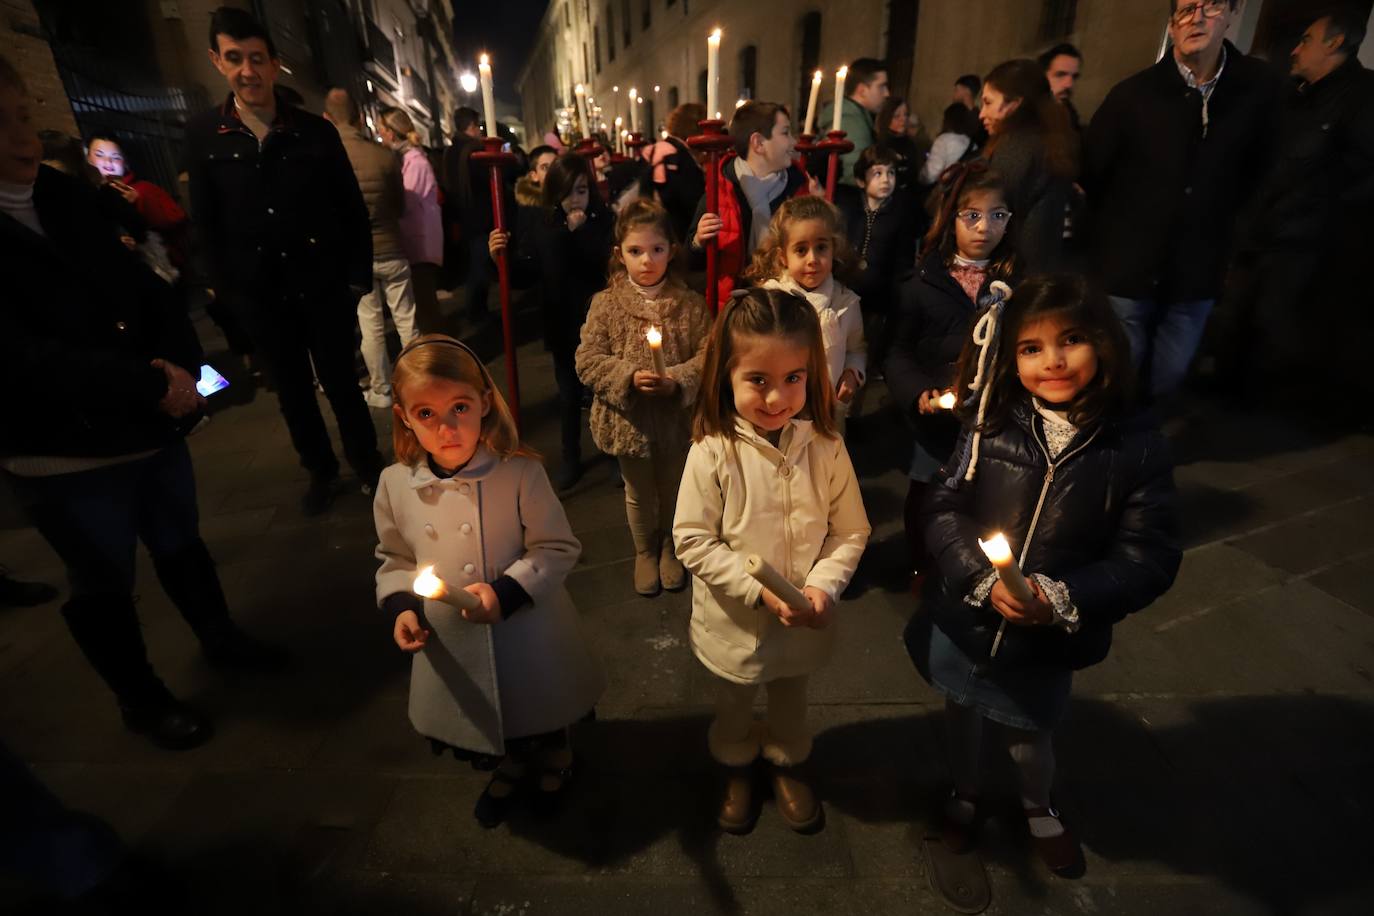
point(891, 248)
point(1037, 199)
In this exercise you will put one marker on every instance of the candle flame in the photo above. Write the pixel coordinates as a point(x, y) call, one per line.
point(817, 77)
point(946, 400)
point(580, 89)
point(842, 72)
point(618, 121)
point(715, 36)
point(654, 336)
point(996, 548)
point(426, 584)
point(483, 61)
point(656, 88)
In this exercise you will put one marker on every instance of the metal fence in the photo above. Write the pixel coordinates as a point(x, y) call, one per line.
point(148, 122)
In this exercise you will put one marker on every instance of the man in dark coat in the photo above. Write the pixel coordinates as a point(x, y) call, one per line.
point(468, 198)
point(1172, 154)
point(287, 235)
point(1310, 213)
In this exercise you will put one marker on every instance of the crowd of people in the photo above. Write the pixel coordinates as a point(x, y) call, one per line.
point(1033, 290)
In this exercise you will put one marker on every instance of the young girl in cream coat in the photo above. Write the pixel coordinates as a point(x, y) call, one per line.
point(766, 475)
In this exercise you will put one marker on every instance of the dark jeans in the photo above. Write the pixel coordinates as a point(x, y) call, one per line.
point(1164, 337)
point(291, 335)
point(94, 521)
point(569, 403)
point(1264, 334)
point(479, 274)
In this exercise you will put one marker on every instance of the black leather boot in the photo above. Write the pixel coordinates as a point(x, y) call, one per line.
point(106, 629)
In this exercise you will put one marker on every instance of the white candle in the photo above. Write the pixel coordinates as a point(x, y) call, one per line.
point(840, 74)
point(946, 400)
point(428, 585)
point(488, 103)
point(655, 338)
point(581, 92)
point(618, 132)
point(624, 141)
point(811, 104)
point(713, 71)
point(634, 110)
point(999, 554)
point(772, 580)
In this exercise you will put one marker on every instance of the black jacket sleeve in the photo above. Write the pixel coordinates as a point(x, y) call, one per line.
point(905, 378)
point(951, 536)
point(1144, 556)
point(355, 229)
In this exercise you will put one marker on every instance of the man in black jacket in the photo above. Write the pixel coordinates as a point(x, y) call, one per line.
point(468, 198)
point(288, 238)
point(1172, 154)
point(1311, 211)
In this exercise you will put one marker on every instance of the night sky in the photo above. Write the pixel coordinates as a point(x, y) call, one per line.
point(505, 29)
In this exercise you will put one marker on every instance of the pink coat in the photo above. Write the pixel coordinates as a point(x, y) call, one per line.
point(422, 229)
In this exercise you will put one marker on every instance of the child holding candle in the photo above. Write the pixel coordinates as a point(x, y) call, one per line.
point(1082, 487)
point(966, 248)
point(767, 475)
point(466, 502)
point(640, 415)
point(804, 246)
point(563, 247)
point(754, 183)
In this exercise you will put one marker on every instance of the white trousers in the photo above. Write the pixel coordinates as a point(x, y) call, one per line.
point(390, 284)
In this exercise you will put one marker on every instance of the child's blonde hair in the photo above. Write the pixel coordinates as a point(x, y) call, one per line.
point(770, 260)
point(644, 213)
point(763, 313)
point(440, 356)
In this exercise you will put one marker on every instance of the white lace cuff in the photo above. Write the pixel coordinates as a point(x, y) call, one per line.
point(981, 590)
point(1057, 593)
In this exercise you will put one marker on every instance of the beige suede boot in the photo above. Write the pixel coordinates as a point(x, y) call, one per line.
point(670, 571)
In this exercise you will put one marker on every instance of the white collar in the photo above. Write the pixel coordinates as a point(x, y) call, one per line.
point(962, 261)
point(648, 292)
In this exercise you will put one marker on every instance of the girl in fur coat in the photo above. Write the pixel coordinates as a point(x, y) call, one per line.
point(638, 415)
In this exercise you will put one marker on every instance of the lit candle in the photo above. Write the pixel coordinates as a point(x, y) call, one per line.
point(655, 338)
point(840, 74)
point(634, 110)
point(428, 585)
point(811, 104)
point(581, 92)
point(618, 132)
point(713, 71)
point(488, 103)
point(624, 141)
point(946, 400)
point(999, 553)
point(772, 580)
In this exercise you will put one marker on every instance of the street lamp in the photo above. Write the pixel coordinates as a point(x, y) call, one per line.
point(469, 82)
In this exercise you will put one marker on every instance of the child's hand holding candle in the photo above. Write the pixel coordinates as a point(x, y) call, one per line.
point(999, 554)
point(471, 605)
point(946, 401)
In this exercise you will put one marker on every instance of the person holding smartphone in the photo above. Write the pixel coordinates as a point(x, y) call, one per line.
point(100, 355)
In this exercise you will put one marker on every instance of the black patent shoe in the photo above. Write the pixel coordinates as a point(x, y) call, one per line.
point(491, 810)
point(319, 496)
point(168, 723)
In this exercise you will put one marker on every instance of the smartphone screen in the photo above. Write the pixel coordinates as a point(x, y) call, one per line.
point(210, 381)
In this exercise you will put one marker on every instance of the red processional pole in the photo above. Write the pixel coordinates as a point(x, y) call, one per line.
point(806, 144)
point(834, 145)
point(494, 159)
point(714, 140)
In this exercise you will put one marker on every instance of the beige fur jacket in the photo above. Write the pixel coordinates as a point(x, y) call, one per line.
point(625, 422)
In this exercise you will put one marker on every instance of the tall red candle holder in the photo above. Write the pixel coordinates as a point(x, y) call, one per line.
point(495, 160)
point(834, 145)
point(635, 143)
point(713, 140)
point(806, 144)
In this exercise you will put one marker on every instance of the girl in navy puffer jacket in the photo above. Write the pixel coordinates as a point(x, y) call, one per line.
point(1083, 491)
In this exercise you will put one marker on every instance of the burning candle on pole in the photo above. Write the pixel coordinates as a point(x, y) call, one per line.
point(655, 338)
point(618, 132)
point(772, 580)
point(634, 110)
point(816, 79)
point(581, 92)
point(713, 73)
point(488, 103)
point(428, 585)
point(840, 74)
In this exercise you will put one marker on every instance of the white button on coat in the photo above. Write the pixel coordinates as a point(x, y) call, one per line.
point(466, 528)
point(469, 568)
point(429, 530)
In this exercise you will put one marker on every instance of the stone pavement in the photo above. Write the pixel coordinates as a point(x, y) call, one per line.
point(1219, 762)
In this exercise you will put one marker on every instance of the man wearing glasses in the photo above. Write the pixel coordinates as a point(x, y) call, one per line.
point(1171, 155)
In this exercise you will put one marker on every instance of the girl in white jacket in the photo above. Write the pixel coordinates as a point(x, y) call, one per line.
point(766, 475)
point(804, 246)
point(498, 684)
